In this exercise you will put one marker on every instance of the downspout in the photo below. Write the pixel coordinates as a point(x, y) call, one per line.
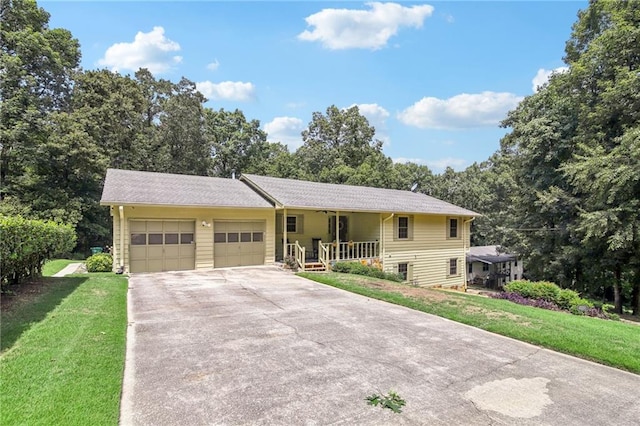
point(121, 251)
point(464, 249)
point(382, 239)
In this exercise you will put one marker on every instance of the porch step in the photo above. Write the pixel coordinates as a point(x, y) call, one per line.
point(314, 266)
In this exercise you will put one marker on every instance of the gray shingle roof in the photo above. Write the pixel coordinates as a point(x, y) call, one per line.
point(488, 254)
point(127, 187)
point(292, 193)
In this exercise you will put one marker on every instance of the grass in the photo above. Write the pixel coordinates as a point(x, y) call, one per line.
point(63, 352)
point(612, 343)
point(54, 266)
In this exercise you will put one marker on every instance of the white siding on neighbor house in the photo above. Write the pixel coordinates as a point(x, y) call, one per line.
point(203, 234)
point(428, 251)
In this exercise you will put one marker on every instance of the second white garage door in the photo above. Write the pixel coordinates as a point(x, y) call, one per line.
point(238, 244)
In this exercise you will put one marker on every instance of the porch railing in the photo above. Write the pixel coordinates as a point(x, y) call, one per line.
point(352, 250)
point(298, 252)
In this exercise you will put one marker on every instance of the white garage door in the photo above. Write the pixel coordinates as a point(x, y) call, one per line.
point(161, 245)
point(238, 244)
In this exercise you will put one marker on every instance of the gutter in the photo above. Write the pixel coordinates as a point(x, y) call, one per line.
point(465, 251)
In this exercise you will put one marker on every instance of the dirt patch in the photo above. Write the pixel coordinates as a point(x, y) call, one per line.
point(21, 293)
point(426, 294)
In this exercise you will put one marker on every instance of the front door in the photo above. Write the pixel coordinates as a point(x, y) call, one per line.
point(342, 225)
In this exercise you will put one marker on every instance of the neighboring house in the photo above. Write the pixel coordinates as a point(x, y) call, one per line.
point(488, 266)
point(167, 222)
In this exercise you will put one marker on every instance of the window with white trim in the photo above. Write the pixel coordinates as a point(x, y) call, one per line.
point(453, 266)
point(403, 269)
point(453, 228)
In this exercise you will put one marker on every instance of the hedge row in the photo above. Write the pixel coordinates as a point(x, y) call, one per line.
point(360, 269)
point(547, 295)
point(26, 244)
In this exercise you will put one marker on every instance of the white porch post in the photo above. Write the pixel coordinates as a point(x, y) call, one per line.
point(337, 236)
point(284, 235)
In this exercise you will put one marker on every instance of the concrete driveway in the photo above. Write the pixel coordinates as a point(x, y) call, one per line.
point(262, 346)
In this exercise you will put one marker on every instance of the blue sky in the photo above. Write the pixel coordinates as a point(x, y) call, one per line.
point(434, 78)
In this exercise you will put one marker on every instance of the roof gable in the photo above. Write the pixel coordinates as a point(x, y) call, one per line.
point(127, 187)
point(291, 193)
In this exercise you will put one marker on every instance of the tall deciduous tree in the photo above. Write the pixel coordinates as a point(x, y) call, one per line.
point(36, 65)
point(339, 139)
point(237, 145)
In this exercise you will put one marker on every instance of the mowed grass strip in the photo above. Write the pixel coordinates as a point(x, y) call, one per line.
point(612, 343)
point(54, 266)
point(66, 366)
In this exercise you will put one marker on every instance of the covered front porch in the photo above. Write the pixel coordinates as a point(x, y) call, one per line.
point(317, 239)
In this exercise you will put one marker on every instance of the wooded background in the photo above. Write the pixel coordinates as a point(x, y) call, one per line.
point(563, 190)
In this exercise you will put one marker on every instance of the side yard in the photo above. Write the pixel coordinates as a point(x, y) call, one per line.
point(62, 351)
point(612, 343)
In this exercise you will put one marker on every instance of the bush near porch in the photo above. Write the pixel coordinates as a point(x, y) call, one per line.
point(369, 271)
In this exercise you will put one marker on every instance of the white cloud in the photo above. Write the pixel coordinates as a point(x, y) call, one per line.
point(462, 111)
point(440, 165)
point(543, 75)
point(377, 117)
point(213, 65)
point(227, 90)
point(286, 130)
point(150, 50)
point(364, 29)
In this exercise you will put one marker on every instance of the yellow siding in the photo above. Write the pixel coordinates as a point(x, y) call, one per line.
point(428, 252)
point(204, 234)
point(364, 226)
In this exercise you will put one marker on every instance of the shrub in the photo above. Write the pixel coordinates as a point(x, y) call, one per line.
point(290, 262)
point(521, 300)
point(26, 244)
point(100, 262)
point(360, 269)
point(534, 290)
point(567, 298)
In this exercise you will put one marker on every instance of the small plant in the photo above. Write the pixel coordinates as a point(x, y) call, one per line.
point(101, 262)
point(290, 262)
point(392, 401)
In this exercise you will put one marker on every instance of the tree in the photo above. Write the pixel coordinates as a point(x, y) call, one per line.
point(181, 131)
point(237, 145)
point(36, 64)
point(340, 139)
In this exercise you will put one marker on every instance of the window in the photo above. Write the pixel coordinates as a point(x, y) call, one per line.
point(171, 238)
point(515, 277)
point(403, 269)
point(515, 263)
point(186, 238)
point(453, 228)
point(470, 267)
point(138, 239)
point(453, 266)
point(245, 237)
point(232, 237)
point(220, 237)
point(403, 228)
point(292, 224)
point(258, 237)
point(155, 238)
point(485, 267)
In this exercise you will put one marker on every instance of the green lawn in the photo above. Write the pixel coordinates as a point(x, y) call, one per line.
point(54, 266)
point(63, 350)
point(612, 343)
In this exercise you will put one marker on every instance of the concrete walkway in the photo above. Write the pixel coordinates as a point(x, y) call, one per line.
point(68, 270)
point(261, 346)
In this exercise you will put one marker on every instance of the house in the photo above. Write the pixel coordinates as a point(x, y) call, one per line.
point(167, 222)
point(488, 266)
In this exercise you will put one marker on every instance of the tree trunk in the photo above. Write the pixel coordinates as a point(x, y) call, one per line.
point(617, 290)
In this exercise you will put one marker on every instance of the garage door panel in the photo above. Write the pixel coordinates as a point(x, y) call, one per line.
point(155, 245)
point(238, 244)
